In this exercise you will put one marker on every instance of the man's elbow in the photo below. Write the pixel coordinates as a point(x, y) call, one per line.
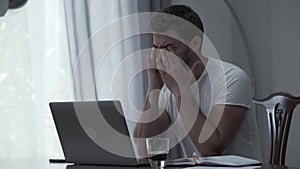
point(214, 149)
point(211, 152)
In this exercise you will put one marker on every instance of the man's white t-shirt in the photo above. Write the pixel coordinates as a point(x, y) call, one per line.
point(220, 83)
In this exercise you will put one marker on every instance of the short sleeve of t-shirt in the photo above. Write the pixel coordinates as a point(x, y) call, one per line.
point(233, 87)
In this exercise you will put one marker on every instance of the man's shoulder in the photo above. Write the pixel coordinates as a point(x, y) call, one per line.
point(223, 68)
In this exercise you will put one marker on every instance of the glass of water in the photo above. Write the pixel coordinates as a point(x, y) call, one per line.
point(158, 150)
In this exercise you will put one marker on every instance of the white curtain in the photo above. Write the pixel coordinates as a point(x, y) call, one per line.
point(34, 70)
point(100, 71)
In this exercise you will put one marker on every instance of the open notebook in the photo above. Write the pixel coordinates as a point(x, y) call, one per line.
point(220, 161)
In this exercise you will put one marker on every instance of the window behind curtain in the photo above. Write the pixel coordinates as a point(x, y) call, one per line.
point(34, 70)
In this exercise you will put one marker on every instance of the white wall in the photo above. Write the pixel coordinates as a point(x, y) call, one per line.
point(263, 37)
point(273, 30)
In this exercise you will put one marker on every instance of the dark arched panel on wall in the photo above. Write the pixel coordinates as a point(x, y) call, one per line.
point(227, 35)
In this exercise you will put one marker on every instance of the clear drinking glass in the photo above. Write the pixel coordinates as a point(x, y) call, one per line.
point(158, 150)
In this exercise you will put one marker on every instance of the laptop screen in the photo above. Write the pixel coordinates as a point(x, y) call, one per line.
point(93, 132)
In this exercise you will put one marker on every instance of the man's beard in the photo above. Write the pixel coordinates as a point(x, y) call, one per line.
point(188, 56)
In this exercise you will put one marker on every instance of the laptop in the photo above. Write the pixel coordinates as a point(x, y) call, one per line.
point(94, 132)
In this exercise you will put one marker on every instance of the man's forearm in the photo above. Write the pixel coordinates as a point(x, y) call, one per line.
point(194, 120)
point(148, 127)
point(153, 121)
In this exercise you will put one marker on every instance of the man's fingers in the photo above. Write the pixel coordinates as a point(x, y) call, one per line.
point(176, 60)
point(165, 59)
point(152, 57)
point(173, 57)
point(153, 52)
point(151, 64)
point(159, 62)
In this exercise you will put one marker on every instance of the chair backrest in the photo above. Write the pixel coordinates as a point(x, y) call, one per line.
point(279, 107)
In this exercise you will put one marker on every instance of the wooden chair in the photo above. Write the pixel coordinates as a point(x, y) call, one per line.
point(279, 107)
